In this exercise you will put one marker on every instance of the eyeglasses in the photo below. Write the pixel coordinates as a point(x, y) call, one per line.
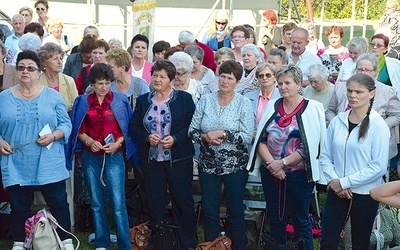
point(40, 9)
point(220, 23)
point(373, 45)
point(180, 74)
point(29, 68)
point(268, 75)
point(25, 15)
point(364, 70)
point(237, 37)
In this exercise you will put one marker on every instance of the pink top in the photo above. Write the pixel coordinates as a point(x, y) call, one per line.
point(262, 103)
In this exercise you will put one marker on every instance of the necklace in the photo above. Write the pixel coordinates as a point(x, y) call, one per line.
point(221, 109)
point(31, 95)
point(286, 119)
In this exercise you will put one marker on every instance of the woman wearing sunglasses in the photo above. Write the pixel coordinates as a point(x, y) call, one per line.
point(218, 35)
point(42, 7)
point(34, 126)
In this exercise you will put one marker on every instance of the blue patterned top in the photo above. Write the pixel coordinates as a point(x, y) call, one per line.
point(158, 121)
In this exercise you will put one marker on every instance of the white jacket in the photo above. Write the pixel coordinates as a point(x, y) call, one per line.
point(312, 129)
point(359, 165)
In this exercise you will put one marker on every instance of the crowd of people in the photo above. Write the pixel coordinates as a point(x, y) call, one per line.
point(294, 113)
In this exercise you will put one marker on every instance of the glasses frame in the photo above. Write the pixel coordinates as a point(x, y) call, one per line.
point(40, 9)
point(23, 68)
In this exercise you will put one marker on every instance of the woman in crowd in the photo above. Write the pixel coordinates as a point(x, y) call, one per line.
point(119, 61)
point(160, 126)
point(36, 29)
point(285, 152)
point(184, 65)
point(252, 39)
point(200, 73)
point(387, 71)
point(159, 49)
point(332, 56)
point(277, 57)
point(356, 46)
point(100, 129)
point(239, 37)
point(42, 7)
point(55, 27)
point(223, 125)
point(362, 133)
point(114, 43)
point(320, 89)
point(389, 26)
point(287, 36)
point(8, 76)
point(271, 33)
point(140, 66)
point(265, 73)
point(221, 55)
point(27, 12)
point(33, 117)
point(386, 103)
point(218, 35)
point(251, 57)
point(99, 52)
point(314, 44)
point(51, 58)
point(387, 193)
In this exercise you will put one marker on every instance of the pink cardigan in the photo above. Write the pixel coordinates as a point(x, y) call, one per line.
point(146, 71)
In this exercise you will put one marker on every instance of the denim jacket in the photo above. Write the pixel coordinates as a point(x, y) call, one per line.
point(213, 42)
point(122, 112)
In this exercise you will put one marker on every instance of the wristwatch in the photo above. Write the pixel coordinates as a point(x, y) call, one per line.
point(223, 136)
point(284, 162)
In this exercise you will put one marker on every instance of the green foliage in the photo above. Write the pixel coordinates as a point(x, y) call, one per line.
point(340, 9)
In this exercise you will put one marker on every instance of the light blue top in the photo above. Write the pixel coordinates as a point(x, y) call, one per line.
point(20, 123)
point(12, 43)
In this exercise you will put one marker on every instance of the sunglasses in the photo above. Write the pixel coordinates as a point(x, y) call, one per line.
point(42, 9)
point(29, 68)
point(220, 23)
point(268, 75)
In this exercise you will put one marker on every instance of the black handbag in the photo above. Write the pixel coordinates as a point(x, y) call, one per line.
point(268, 243)
point(166, 237)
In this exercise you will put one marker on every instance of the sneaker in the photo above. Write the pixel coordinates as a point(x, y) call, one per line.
point(18, 246)
point(68, 244)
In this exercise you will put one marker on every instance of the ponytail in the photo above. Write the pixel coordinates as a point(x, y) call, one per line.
point(365, 122)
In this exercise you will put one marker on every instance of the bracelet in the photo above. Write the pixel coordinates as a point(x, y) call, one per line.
point(120, 142)
point(284, 162)
point(86, 140)
point(54, 137)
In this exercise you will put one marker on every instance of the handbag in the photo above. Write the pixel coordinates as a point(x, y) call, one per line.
point(220, 243)
point(43, 235)
point(140, 236)
point(166, 237)
point(268, 243)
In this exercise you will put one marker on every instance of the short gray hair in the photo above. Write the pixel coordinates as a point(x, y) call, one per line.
point(318, 71)
point(186, 36)
point(368, 57)
point(290, 70)
point(358, 43)
point(29, 41)
point(254, 48)
point(48, 50)
point(196, 51)
point(181, 60)
point(280, 53)
point(224, 51)
point(18, 16)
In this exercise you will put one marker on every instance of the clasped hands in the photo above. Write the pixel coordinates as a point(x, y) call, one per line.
point(215, 137)
point(275, 167)
point(339, 191)
point(166, 142)
point(109, 148)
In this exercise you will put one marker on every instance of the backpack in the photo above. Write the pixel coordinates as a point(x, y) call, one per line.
point(41, 232)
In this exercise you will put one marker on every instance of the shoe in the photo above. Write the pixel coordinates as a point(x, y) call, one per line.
point(18, 246)
point(100, 248)
point(68, 244)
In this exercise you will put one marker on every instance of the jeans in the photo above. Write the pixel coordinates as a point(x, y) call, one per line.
point(362, 213)
point(178, 177)
point(234, 185)
point(21, 201)
point(293, 194)
point(114, 173)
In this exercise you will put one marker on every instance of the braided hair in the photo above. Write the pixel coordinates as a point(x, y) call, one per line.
point(369, 83)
